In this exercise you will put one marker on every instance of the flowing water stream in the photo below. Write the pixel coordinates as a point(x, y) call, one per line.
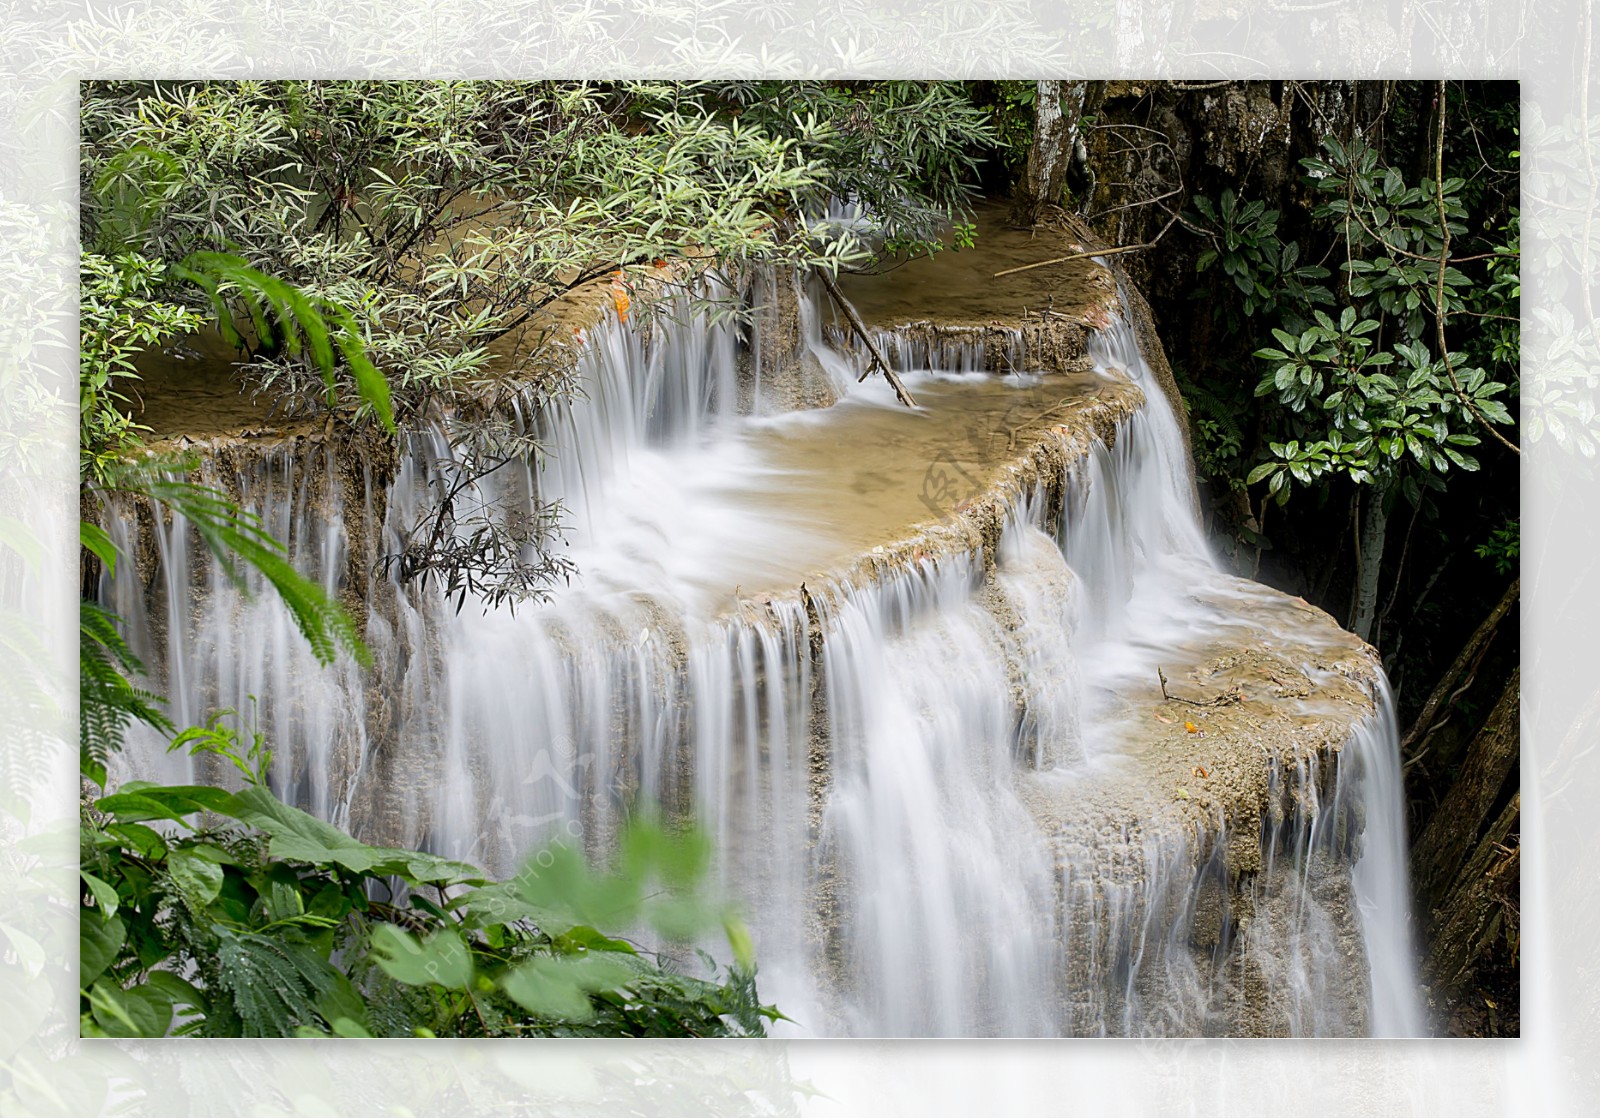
point(924, 777)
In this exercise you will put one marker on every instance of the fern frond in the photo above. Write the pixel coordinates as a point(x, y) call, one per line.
point(325, 328)
point(234, 537)
point(107, 700)
point(273, 984)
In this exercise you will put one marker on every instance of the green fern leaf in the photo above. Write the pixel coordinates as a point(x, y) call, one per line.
point(107, 701)
point(273, 984)
point(236, 537)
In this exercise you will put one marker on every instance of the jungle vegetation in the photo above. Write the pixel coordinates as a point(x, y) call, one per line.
point(1341, 307)
point(1336, 277)
point(365, 246)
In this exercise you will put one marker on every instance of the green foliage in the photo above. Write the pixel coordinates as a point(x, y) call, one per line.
point(1503, 548)
point(401, 243)
point(1498, 304)
point(1012, 118)
point(120, 314)
point(444, 215)
point(239, 543)
point(129, 304)
point(906, 152)
point(108, 699)
point(108, 702)
point(1373, 419)
point(1364, 396)
point(1392, 230)
point(250, 918)
point(324, 325)
point(247, 917)
point(221, 740)
point(388, 238)
point(1265, 268)
point(1216, 430)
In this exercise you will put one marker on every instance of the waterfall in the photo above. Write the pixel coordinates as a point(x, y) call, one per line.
point(922, 777)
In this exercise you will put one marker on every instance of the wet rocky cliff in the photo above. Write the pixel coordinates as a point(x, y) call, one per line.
point(986, 742)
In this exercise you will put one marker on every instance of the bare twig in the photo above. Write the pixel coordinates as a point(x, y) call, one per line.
point(1150, 244)
point(1226, 699)
point(866, 339)
point(1134, 205)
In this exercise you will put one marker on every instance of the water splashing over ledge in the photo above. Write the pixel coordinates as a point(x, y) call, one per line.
point(903, 666)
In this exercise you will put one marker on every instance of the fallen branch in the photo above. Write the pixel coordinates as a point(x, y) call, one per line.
point(866, 339)
point(1226, 699)
point(1150, 244)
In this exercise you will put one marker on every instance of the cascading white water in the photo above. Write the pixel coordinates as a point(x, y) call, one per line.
point(236, 648)
point(910, 885)
point(923, 830)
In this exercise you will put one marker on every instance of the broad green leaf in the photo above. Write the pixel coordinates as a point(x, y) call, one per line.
point(582, 938)
point(137, 1012)
point(420, 867)
point(340, 1001)
point(147, 842)
point(141, 800)
point(297, 835)
point(98, 542)
point(198, 877)
point(739, 939)
point(559, 988)
point(104, 895)
point(29, 952)
point(133, 807)
point(441, 958)
point(547, 996)
point(558, 880)
point(178, 991)
point(100, 940)
point(503, 904)
point(680, 859)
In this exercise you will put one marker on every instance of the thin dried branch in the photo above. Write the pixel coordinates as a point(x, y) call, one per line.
point(860, 329)
point(1150, 244)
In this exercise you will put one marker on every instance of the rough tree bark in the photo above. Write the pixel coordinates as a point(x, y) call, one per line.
point(1481, 907)
point(1057, 113)
point(1374, 529)
point(1453, 831)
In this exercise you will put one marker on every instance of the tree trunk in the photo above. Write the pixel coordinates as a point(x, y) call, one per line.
point(1452, 832)
point(1374, 526)
point(1480, 908)
point(1417, 737)
point(1057, 112)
